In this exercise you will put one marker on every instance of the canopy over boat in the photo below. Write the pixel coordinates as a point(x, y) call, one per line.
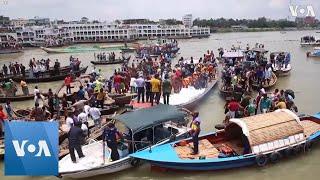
point(267, 132)
point(233, 54)
point(144, 118)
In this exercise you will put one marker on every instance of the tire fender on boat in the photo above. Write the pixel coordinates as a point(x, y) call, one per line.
point(275, 157)
point(262, 160)
point(297, 149)
point(135, 162)
point(308, 146)
point(288, 152)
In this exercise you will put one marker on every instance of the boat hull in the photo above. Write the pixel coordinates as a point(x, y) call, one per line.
point(194, 102)
point(49, 78)
point(16, 98)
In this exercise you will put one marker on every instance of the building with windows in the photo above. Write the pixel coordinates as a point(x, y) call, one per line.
point(19, 22)
point(187, 20)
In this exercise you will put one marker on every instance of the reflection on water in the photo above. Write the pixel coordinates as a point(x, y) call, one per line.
point(304, 79)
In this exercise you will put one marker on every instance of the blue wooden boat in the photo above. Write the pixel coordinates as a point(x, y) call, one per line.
point(254, 140)
point(314, 53)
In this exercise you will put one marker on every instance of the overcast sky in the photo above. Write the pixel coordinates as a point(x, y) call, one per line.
point(152, 9)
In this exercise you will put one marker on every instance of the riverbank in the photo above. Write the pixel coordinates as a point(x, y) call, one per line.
point(227, 30)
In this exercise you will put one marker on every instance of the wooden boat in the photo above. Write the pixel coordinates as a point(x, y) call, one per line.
point(191, 102)
point(117, 61)
point(19, 97)
point(50, 72)
point(49, 78)
point(22, 113)
point(273, 82)
point(10, 51)
point(314, 53)
point(247, 141)
point(128, 49)
point(227, 94)
point(164, 119)
point(282, 70)
point(75, 85)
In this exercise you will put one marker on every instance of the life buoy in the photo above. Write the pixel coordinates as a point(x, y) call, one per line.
point(261, 160)
point(308, 146)
point(288, 152)
point(135, 162)
point(275, 157)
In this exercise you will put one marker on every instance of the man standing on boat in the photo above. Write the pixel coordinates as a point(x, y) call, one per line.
point(155, 89)
point(166, 89)
point(195, 131)
point(67, 82)
point(109, 135)
point(74, 136)
point(140, 86)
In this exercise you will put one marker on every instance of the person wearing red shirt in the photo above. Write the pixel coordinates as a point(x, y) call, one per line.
point(67, 83)
point(117, 81)
point(233, 107)
point(3, 117)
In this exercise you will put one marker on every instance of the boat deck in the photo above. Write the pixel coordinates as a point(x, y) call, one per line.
point(206, 149)
point(310, 127)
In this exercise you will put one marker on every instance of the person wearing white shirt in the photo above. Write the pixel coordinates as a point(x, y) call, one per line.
point(69, 122)
point(86, 109)
point(96, 116)
point(36, 90)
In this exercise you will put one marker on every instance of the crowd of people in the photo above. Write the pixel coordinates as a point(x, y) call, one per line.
point(264, 102)
point(105, 57)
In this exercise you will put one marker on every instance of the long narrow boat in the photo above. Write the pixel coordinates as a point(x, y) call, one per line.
point(21, 97)
point(29, 73)
point(190, 97)
point(247, 141)
point(117, 61)
point(49, 78)
point(162, 121)
point(230, 93)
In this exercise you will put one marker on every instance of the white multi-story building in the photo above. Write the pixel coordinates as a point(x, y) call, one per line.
point(145, 31)
point(77, 32)
point(187, 20)
point(100, 32)
point(43, 36)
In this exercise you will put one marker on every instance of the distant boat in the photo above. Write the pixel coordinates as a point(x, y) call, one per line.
point(283, 32)
point(314, 53)
point(116, 61)
point(309, 41)
point(79, 49)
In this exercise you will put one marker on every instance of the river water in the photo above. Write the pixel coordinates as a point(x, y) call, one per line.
point(304, 79)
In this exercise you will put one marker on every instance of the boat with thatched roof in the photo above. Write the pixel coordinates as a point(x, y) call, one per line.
point(246, 141)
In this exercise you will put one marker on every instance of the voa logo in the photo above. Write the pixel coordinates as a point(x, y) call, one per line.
point(31, 148)
point(41, 148)
point(301, 10)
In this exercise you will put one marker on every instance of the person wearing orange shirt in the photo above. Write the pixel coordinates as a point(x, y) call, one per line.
point(67, 83)
point(155, 89)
